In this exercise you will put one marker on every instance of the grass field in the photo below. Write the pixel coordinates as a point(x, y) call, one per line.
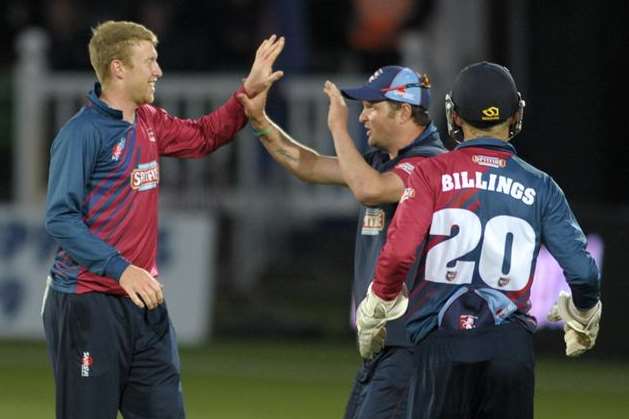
point(277, 380)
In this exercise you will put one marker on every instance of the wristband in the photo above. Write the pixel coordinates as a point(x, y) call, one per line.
point(262, 133)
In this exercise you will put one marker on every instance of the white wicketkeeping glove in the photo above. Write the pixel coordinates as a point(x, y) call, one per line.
point(581, 326)
point(371, 317)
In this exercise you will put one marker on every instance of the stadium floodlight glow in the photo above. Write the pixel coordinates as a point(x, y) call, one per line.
point(550, 281)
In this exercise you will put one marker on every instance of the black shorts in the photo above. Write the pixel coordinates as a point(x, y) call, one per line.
point(380, 388)
point(108, 355)
point(481, 373)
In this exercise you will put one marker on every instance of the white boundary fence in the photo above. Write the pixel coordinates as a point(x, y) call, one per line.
point(187, 266)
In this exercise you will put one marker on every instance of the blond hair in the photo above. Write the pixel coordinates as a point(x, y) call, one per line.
point(112, 40)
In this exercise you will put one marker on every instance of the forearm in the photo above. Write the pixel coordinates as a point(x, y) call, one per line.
point(406, 237)
point(221, 126)
point(301, 161)
point(85, 248)
point(366, 183)
point(72, 162)
point(395, 260)
point(581, 272)
point(390, 276)
point(196, 138)
point(564, 238)
point(586, 290)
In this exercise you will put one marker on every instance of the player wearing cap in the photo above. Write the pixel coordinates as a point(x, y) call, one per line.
point(395, 113)
point(475, 218)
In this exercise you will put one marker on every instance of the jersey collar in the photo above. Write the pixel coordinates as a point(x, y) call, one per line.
point(488, 142)
point(424, 138)
point(94, 97)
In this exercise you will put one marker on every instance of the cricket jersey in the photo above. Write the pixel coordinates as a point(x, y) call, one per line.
point(373, 221)
point(476, 218)
point(103, 188)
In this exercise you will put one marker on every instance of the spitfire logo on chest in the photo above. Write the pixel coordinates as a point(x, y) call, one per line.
point(145, 177)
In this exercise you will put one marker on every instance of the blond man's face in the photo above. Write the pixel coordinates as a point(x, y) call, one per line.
point(142, 73)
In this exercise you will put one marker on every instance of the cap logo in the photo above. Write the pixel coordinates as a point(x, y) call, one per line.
point(490, 114)
point(375, 75)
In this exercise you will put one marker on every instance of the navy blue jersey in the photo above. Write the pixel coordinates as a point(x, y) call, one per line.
point(103, 187)
point(476, 218)
point(374, 221)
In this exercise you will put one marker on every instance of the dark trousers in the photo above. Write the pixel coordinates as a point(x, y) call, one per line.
point(108, 355)
point(485, 373)
point(380, 389)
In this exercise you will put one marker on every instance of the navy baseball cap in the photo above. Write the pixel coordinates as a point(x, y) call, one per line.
point(399, 84)
point(485, 94)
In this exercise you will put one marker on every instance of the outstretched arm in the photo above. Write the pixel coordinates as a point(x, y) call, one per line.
point(368, 185)
point(301, 161)
point(195, 138)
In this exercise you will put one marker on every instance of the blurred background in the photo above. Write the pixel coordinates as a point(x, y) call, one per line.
point(257, 265)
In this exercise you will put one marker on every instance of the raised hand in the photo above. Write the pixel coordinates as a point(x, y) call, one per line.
point(261, 75)
point(581, 326)
point(142, 288)
point(337, 112)
point(254, 107)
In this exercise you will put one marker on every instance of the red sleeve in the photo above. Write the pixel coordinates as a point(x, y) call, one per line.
point(405, 167)
point(194, 138)
point(407, 231)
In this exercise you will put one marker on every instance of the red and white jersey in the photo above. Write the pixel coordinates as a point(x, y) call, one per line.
point(476, 217)
point(103, 189)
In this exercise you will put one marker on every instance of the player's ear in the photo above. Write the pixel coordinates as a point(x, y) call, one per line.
point(457, 119)
point(117, 69)
point(406, 112)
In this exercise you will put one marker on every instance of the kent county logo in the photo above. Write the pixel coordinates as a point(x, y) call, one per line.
point(467, 322)
point(407, 167)
point(86, 364)
point(150, 134)
point(373, 222)
point(490, 114)
point(489, 161)
point(145, 177)
point(118, 148)
point(408, 194)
